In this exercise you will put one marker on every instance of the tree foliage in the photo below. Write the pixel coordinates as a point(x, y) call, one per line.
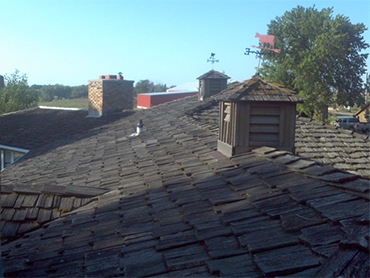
point(320, 57)
point(17, 95)
point(79, 91)
point(147, 86)
point(51, 92)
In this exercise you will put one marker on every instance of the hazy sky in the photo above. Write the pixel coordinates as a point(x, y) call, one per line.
point(72, 41)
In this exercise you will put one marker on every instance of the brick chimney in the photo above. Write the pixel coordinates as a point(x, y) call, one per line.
point(257, 113)
point(110, 93)
point(211, 83)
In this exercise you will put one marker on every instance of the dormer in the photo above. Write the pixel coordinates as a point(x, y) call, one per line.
point(257, 113)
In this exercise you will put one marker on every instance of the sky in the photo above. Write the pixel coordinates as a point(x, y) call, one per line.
point(69, 42)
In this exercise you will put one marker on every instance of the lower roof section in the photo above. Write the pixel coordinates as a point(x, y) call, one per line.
point(264, 213)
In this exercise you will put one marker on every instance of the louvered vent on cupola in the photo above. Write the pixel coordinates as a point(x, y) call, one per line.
point(211, 83)
point(257, 113)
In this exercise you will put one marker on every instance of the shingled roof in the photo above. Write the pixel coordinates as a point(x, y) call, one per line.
point(170, 205)
point(339, 148)
point(213, 74)
point(258, 89)
point(32, 128)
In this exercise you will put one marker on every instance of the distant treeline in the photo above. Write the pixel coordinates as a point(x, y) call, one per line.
point(53, 92)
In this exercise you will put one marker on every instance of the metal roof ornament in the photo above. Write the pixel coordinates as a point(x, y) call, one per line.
point(212, 59)
point(269, 39)
point(264, 39)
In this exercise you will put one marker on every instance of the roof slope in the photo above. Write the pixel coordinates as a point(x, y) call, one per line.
point(213, 74)
point(362, 109)
point(175, 207)
point(258, 89)
point(30, 129)
point(342, 149)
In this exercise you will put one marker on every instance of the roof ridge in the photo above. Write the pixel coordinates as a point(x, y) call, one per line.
point(19, 111)
point(62, 108)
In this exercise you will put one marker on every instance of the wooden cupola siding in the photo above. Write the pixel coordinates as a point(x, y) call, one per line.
point(211, 83)
point(210, 87)
point(245, 126)
point(254, 114)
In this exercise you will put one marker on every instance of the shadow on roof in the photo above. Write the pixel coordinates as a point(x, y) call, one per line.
point(40, 130)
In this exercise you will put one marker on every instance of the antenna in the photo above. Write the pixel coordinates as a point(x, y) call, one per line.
point(212, 59)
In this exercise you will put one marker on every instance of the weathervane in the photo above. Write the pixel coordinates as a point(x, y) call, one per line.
point(269, 39)
point(212, 59)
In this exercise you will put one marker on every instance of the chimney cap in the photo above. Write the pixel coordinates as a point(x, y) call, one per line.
point(111, 77)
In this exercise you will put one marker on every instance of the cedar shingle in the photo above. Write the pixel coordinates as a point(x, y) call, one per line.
point(8, 200)
point(44, 215)
point(286, 260)
point(236, 266)
point(20, 215)
point(321, 235)
point(44, 201)
point(29, 201)
point(66, 203)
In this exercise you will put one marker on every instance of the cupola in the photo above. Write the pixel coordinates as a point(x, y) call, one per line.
point(257, 113)
point(211, 83)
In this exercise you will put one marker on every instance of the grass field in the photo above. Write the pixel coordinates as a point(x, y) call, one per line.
point(82, 103)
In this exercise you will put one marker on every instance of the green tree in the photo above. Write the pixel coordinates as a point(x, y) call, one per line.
point(147, 86)
point(79, 91)
point(62, 91)
point(320, 57)
point(17, 95)
point(46, 93)
point(50, 92)
point(160, 87)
